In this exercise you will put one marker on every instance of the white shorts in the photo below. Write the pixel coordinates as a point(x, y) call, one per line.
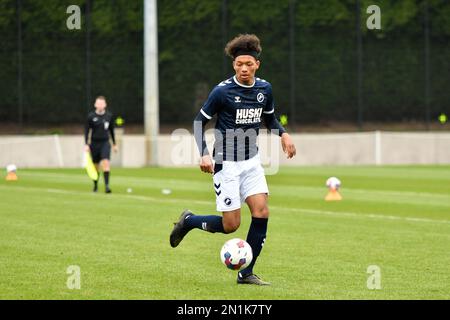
point(238, 180)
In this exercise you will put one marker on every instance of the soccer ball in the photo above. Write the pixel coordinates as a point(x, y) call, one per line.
point(333, 183)
point(236, 254)
point(11, 168)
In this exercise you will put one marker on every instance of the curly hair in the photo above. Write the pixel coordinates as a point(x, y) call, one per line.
point(248, 44)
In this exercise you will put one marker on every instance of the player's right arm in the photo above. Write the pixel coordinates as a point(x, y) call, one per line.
point(200, 122)
point(209, 109)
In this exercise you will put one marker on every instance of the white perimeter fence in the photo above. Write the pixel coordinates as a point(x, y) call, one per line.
point(178, 149)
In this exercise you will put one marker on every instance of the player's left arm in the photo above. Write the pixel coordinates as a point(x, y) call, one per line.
point(113, 136)
point(275, 126)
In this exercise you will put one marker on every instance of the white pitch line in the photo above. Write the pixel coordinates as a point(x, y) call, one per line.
point(202, 202)
point(123, 196)
point(145, 180)
point(401, 193)
point(364, 215)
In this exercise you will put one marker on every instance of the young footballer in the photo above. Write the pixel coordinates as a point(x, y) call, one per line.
point(101, 126)
point(241, 103)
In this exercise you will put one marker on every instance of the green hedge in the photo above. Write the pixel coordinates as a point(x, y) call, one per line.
point(191, 58)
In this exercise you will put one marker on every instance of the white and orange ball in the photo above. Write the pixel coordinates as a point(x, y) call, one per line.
point(333, 183)
point(11, 168)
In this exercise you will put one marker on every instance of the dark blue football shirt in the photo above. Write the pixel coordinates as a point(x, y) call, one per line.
point(240, 109)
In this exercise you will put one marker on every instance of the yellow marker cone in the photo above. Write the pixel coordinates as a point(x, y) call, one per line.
point(333, 195)
point(11, 176)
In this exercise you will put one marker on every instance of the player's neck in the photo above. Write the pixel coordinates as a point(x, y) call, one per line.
point(100, 113)
point(249, 83)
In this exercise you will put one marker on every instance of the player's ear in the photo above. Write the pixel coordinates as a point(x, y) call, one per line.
point(258, 62)
point(234, 64)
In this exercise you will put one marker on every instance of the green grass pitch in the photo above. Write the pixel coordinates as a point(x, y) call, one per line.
point(397, 218)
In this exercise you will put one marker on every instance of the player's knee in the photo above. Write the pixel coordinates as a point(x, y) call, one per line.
point(231, 226)
point(261, 212)
point(105, 165)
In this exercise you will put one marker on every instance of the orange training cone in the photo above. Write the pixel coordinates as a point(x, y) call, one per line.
point(333, 185)
point(11, 176)
point(11, 172)
point(333, 195)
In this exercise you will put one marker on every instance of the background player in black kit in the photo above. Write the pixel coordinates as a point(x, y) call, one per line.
point(101, 125)
point(241, 103)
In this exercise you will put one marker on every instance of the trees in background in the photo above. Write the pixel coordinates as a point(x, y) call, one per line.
point(192, 35)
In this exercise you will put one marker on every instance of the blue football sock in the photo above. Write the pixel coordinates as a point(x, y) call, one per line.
point(207, 223)
point(255, 238)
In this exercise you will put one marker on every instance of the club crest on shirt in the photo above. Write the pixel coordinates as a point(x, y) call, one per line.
point(260, 97)
point(237, 99)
